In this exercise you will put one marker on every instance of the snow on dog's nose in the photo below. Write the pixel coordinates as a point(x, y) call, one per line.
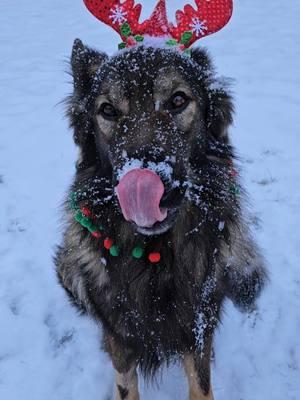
point(139, 193)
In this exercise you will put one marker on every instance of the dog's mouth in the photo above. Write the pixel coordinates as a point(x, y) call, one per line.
point(143, 201)
point(159, 227)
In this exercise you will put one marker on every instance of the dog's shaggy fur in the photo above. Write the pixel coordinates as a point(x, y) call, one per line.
point(155, 313)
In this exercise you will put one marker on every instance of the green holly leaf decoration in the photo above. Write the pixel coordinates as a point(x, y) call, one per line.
point(171, 42)
point(122, 46)
point(186, 37)
point(126, 30)
point(139, 38)
point(187, 52)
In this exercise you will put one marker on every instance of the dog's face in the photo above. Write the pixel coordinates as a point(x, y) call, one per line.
point(146, 117)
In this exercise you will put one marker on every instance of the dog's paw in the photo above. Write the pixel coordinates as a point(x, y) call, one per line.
point(244, 285)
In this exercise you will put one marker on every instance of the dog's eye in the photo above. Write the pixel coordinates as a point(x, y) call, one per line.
point(108, 111)
point(178, 102)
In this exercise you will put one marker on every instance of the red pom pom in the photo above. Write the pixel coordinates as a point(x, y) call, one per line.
point(233, 173)
point(108, 243)
point(96, 234)
point(154, 257)
point(86, 212)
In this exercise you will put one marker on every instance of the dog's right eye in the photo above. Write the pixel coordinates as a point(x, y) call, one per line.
point(108, 111)
point(178, 102)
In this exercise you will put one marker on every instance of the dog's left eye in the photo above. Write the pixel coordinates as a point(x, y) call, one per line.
point(178, 102)
point(108, 111)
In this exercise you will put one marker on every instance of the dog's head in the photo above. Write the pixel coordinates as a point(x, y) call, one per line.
point(147, 120)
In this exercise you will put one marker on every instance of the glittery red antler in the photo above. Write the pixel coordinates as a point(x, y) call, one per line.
point(209, 17)
point(115, 13)
point(123, 17)
point(157, 25)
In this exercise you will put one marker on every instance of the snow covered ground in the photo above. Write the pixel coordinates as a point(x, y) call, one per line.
point(46, 350)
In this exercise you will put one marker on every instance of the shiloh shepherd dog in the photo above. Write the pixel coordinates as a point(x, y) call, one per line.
point(158, 240)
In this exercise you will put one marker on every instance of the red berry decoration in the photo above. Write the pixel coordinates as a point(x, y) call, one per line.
point(131, 41)
point(96, 234)
point(86, 212)
point(108, 243)
point(154, 257)
point(233, 173)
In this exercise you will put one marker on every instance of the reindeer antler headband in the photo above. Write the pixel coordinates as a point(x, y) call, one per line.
point(123, 16)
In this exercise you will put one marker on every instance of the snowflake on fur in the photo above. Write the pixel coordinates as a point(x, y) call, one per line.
point(198, 26)
point(118, 15)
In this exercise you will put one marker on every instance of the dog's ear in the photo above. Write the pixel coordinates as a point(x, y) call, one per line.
point(84, 63)
point(219, 114)
point(220, 111)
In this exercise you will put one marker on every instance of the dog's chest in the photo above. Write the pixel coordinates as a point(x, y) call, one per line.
point(143, 303)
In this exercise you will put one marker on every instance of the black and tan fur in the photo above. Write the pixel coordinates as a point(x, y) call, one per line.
point(156, 313)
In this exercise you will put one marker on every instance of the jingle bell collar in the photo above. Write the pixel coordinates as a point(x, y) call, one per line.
point(191, 24)
point(84, 217)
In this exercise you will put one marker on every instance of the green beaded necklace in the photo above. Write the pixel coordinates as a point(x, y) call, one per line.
point(84, 217)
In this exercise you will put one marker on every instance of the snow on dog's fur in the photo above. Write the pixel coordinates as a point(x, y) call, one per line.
point(157, 109)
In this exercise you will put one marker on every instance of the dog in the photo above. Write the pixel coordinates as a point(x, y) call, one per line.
point(157, 177)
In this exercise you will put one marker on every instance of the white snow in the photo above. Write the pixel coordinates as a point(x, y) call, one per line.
point(130, 164)
point(47, 351)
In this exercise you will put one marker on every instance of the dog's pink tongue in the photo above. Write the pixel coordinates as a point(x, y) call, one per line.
point(139, 193)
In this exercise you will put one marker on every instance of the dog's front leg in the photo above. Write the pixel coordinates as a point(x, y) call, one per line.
point(127, 385)
point(197, 369)
point(124, 361)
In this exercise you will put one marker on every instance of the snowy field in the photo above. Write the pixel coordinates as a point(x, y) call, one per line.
point(49, 352)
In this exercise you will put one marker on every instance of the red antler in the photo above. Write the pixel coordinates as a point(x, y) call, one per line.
point(123, 17)
point(157, 24)
point(210, 17)
point(114, 13)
